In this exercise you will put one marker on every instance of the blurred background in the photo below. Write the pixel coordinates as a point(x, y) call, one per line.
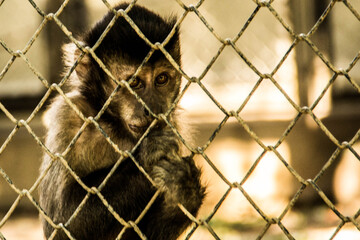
point(301, 75)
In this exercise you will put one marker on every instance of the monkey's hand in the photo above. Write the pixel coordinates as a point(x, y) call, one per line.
point(178, 178)
point(159, 144)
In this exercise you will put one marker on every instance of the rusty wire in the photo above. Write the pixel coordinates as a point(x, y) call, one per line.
point(228, 113)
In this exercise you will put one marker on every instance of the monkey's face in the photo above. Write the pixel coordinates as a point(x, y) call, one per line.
point(157, 85)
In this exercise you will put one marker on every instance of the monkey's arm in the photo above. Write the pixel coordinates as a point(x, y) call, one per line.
point(128, 192)
point(177, 177)
point(90, 152)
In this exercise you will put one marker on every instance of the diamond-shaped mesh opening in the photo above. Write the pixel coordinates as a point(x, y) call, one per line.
point(202, 39)
point(274, 103)
point(11, 23)
point(229, 79)
point(262, 81)
point(266, 58)
point(10, 82)
point(227, 23)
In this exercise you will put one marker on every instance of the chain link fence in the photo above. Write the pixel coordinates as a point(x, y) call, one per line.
point(205, 221)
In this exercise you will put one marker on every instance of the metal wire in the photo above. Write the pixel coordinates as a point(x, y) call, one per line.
point(228, 113)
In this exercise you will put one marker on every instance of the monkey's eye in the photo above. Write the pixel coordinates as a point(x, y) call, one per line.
point(161, 80)
point(136, 83)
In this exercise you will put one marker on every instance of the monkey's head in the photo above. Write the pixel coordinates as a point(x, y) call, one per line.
point(122, 51)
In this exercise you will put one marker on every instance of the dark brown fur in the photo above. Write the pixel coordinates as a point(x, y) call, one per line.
point(124, 121)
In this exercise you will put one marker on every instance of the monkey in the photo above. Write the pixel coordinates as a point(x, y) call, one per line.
point(124, 121)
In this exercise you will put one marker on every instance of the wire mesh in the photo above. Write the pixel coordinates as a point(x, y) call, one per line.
point(301, 111)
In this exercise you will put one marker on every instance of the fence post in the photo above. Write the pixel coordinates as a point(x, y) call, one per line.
point(75, 17)
point(304, 15)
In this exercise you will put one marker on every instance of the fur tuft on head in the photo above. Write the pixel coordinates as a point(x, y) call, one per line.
point(70, 55)
point(123, 41)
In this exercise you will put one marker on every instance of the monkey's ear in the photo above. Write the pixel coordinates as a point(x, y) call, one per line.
point(71, 54)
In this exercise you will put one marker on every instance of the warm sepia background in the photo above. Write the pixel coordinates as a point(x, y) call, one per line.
point(268, 110)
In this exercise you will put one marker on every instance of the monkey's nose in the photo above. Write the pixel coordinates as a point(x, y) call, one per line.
point(138, 128)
